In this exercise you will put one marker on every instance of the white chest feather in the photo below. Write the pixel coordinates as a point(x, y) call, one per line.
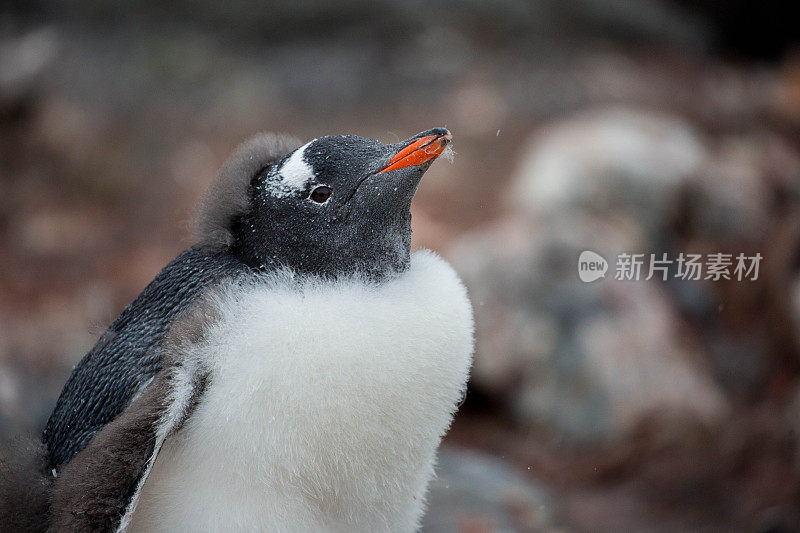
point(324, 408)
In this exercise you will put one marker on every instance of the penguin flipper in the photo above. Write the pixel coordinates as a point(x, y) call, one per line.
point(98, 489)
point(129, 354)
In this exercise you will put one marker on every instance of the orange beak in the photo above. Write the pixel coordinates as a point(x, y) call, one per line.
point(419, 152)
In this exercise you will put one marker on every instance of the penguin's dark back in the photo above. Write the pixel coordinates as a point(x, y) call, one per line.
point(127, 355)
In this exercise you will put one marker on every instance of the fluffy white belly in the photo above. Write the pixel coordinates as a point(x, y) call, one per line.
point(324, 408)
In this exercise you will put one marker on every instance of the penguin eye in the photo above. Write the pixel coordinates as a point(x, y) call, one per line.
point(321, 194)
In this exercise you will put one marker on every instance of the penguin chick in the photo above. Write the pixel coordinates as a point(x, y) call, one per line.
point(294, 370)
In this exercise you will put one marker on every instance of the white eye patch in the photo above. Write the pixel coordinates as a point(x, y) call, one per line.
point(292, 176)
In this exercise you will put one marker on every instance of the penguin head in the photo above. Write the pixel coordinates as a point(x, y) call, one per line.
point(336, 205)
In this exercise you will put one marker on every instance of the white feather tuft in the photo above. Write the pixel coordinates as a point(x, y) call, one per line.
point(449, 154)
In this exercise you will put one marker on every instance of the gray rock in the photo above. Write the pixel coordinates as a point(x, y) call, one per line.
point(589, 363)
point(477, 492)
point(620, 166)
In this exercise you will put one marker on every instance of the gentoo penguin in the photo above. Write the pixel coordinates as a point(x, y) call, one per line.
point(294, 370)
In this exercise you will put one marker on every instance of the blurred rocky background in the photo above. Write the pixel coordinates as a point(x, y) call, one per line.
point(658, 126)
